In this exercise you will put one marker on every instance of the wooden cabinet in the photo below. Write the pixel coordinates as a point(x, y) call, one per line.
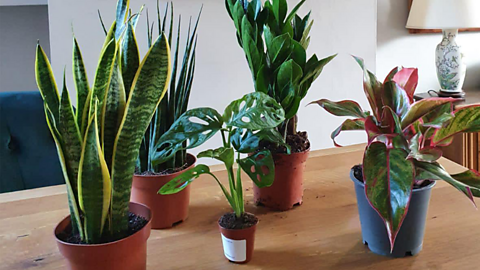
point(465, 147)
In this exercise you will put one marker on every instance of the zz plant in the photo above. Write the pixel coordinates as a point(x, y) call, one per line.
point(243, 125)
point(275, 45)
point(98, 144)
point(177, 97)
point(405, 140)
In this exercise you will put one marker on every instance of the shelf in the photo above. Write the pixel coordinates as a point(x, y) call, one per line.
point(23, 3)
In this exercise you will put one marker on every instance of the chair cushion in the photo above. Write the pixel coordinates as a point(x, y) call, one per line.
point(28, 153)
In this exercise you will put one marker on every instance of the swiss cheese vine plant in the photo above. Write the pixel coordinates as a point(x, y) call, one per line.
point(243, 125)
point(98, 144)
point(405, 140)
point(275, 44)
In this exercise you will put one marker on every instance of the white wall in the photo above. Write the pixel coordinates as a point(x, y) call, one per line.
point(396, 47)
point(20, 28)
point(341, 26)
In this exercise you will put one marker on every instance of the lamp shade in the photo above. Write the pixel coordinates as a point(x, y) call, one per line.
point(444, 14)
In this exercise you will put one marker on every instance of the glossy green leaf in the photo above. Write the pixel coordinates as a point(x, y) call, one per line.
point(389, 179)
point(342, 108)
point(246, 141)
point(254, 111)
point(280, 9)
point(180, 182)
point(260, 168)
point(191, 130)
point(225, 155)
point(466, 119)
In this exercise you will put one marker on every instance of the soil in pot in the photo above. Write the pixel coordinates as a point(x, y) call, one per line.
point(168, 210)
point(287, 189)
point(127, 253)
point(238, 236)
point(409, 240)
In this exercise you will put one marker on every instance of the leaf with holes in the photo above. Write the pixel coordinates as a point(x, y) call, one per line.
point(191, 130)
point(260, 168)
point(246, 141)
point(180, 182)
point(254, 111)
point(225, 155)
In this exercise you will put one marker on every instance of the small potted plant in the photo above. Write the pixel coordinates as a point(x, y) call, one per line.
point(275, 45)
point(400, 164)
point(244, 124)
point(151, 175)
point(98, 146)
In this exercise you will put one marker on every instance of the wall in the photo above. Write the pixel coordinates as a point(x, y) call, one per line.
point(396, 47)
point(20, 28)
point(341, 26)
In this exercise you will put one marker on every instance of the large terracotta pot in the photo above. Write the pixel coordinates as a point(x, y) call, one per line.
point(126, 254)
point(287, 189)
point(238, 245)
point(167, 210)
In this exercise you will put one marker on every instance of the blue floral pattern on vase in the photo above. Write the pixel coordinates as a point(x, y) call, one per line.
point(451, 69)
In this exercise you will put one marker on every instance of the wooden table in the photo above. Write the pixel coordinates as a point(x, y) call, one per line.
point(323, 233)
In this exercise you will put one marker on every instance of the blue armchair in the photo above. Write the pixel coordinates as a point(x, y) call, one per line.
point(28, 156)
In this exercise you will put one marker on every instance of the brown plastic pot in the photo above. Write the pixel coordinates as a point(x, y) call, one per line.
point(126, 254)
point(287, 189)
point(238, 245)
point(167, 210)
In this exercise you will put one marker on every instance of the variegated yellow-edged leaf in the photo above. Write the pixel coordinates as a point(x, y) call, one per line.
point(110, 34)
point(113, 109)
point(81, 83)
point(130, 58)
point(72, 197)
point(71, 139)
point(46, 81)
point(94, 183)
point(121, 16)
point(149, 87)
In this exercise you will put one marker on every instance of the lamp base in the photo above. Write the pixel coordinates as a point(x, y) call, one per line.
point(460, 95)
point(451, 67)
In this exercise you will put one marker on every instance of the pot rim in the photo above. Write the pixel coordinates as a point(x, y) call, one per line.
point(238, 230)
point(169, 174)
point(292, 154)
point(356, 181)
point(104, 244)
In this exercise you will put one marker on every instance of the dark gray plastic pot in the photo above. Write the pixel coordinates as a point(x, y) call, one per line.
point(409, 240)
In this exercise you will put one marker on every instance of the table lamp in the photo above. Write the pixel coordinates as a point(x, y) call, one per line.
point(448, 15)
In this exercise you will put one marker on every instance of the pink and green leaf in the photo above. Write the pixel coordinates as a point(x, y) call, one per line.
point(466, 119)
point(348, 125)
point(396, 98)
point(372, 87)
point(389, 178)
point(407, 78)
point(423, 107)
point(341, 108)
point(420, 153)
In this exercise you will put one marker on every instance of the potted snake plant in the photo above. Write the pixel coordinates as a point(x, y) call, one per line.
point(243, 125)
point(275, 45)
point(150, 176)
point(98, 145)
point(400, 164)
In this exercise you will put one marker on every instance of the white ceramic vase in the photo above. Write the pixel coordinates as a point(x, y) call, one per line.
point(451, 68)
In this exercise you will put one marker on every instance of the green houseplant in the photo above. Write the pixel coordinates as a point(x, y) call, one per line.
point(275, 43)
point(400, 165)
point(149, 178)
point(242, 129)
point(98, 146)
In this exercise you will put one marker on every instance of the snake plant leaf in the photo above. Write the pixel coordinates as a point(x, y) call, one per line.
point(135, 17)
point(247, 141)
point(372, 88)
point(466, 119)
point(71, 138)
point(103, 76)
point(467, 183)
point(396, 98)
point(341, 108)
point(110, 35)
point(94, 184)
point(180, 182)
point(148, 89)
point(121, 17)
point(348, 125)
point(260, 168)
point(112, 111)
point(46, 82)
point(424, 154)
point(407, 78)
point(77, 226)
point(389, 179)
point(423, 107)
point(130, 58)
point(223, 154)
point(254, 111)
point(191, 130)
point(81, 84)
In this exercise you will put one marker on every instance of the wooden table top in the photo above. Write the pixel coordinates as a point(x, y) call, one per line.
point(323, 233)
point(472, 97)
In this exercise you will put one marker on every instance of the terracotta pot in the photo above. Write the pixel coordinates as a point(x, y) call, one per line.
point(238, 245)
point(167, 210)
point(126, 254)
point(287, 189)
